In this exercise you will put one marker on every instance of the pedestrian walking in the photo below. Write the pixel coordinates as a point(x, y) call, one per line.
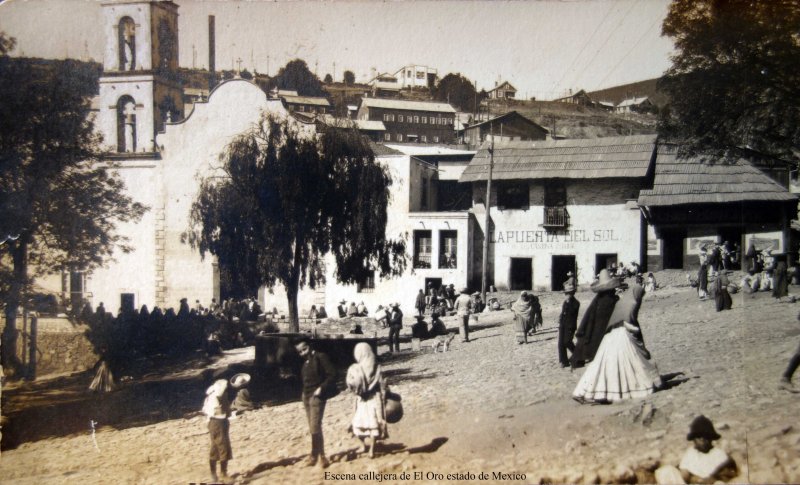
point(594, 322)
point(463, 308)
point(419, 304)
point(522, 317)
point(319, 384)
point(794, 363)
point(365, 381)
point(395, 324)
point(622, 368)
point(217, 409)
point(567, 324)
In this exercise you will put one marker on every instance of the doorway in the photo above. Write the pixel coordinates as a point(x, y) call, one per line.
point(559, 269)
point(604, 261)
point(672, 249)
point(521, 274)
point(734, 237)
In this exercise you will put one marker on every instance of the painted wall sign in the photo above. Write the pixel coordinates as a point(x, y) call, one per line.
point(554, 237)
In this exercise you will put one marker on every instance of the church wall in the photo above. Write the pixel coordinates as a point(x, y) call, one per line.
point(141, 15)
point(134, 272)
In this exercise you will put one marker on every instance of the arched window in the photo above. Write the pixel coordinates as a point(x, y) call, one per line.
point(126, 33)
point(126, 125)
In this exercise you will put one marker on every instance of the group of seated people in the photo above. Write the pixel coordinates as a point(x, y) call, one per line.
point(353, 310)
point(421, 331)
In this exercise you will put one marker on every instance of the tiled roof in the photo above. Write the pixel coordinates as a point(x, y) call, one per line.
point(306, 100)
point(624, 157)
point(694, 181)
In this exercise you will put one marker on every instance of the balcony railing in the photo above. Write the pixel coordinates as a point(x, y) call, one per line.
point(556, 217)
point(422, 260)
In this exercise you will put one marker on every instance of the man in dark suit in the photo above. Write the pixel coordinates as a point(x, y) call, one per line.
point(319, 383)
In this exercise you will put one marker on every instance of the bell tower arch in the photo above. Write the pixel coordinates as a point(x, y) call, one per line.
point(139, 89)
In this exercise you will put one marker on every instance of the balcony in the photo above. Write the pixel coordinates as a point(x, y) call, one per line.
point(556, 217)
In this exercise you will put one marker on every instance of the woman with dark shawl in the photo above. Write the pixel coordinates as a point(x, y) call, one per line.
point(522, 317)
point(595, 320)
point(722, 298)
point(780, 282)
point(622, 368)
point(365, 380)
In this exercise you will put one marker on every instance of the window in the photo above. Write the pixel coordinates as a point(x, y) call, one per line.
point(387, 137)
point(400, 118)
point(422, 249)
point(555, 205)
point(420, 75)
point(423, 138)
point(424, 119)
point(366, 284)
point(436, 139)
point(385, 117)
point(408, 119)
point(408, 73)
point(399, 137)
point(513, 195)
point(416, 119)
point(391, 117)
point(448, 249)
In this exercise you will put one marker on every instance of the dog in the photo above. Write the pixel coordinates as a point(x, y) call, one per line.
point(442, 342)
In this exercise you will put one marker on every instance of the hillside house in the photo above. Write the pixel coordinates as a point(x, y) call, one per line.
point(414, 76)
point(503, 91)
point(511, 126)
point(410, 121)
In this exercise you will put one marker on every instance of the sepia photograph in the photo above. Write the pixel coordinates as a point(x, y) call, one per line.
point(404, 242)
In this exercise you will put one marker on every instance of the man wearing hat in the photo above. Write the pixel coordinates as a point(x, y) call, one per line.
point(395, 324)
point(567, 323)
point(463, 308)
point(703, 462)
point(593, 325)
point(319, 383)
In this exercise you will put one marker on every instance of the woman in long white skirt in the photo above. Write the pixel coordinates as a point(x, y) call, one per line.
point(365, 380)
point(622, 368)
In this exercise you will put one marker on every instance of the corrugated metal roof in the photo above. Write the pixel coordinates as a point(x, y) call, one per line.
point(306, 100)
point(626, 156)
point(370, 125)
point(408, 105)
point(632, 102)
point(693, 181)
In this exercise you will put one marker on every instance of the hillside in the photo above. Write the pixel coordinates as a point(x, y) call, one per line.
point(647, 88)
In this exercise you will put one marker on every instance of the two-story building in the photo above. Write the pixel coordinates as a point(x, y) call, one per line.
point(503, 91)
point(410, 121)
point(511, 126)
point(306, 104)
point(415, 76)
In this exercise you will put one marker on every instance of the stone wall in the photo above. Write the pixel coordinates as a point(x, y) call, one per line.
point(59, 346)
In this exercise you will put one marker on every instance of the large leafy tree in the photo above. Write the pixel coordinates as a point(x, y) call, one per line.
point(284, 200)
point(296, 76)
point(458, 91)
point(59, 205)
point(734, 83)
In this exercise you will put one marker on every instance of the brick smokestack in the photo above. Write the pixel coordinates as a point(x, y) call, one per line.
point(212, 68)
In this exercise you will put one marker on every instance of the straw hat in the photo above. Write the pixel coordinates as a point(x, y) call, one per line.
point(343, 302)
point(605, 282)
point(240, 380)
point(702, 427)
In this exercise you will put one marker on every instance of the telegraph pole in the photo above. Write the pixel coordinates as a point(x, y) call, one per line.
point(486, 231)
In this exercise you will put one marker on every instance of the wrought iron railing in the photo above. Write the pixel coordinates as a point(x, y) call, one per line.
point(556, 217)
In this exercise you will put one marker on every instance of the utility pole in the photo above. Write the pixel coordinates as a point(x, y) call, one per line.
point(486, 230)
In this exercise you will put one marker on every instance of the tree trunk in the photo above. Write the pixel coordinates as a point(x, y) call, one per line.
point(19, 255)
point(293, 288)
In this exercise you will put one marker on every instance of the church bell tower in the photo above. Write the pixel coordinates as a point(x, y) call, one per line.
point(140, 89)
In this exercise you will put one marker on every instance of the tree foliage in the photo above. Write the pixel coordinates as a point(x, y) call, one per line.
point(285, 200)
point(458, 91)
point(59, 207)
point(296, 76)
point(734, 83)
point(328, 79)
point(349, 77)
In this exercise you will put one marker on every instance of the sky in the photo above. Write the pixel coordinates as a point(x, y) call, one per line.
point(543, 48)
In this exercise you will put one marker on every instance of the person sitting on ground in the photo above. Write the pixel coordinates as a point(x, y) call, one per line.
point(342, 309)
point(477, 303)
point(242, 401)
point(321, 313)
point(352, 310)
point(702, 462)
point(420, 329)
point(650, 284)
point(362, 310)
point(313, 314)
point(213, 344)
point(355, 329)
point(437, 327)
point(722, 298)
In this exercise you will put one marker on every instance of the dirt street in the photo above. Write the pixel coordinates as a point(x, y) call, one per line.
point(490, 406)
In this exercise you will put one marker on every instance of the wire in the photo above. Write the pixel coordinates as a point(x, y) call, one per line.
point(635, 45)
